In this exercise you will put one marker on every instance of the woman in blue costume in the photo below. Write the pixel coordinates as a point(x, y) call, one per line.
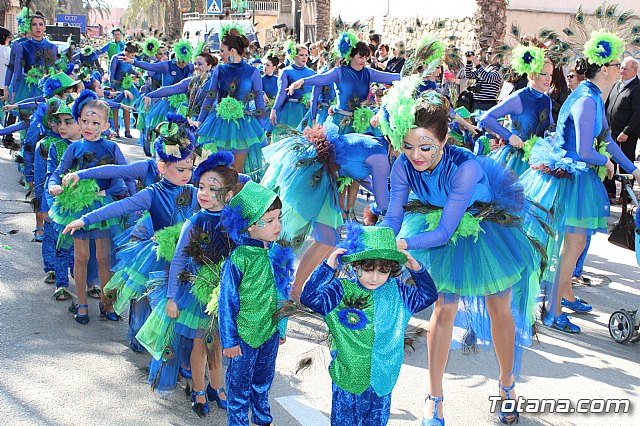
point(289, 109)
point(529, 110)
point(172, 71)
point(463, 208)
point(564, 174)
point(184, 319)
point(120, 79)
point(33, 59)
point(169, 202)
point(270, 85)
point(304, 170)
point(226, 119)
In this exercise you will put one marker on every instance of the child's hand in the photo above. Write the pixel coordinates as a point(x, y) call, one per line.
point(128, 95)
point(128, 107)
point(411, 263)
point(232, 352)
point(172, 309)
point(71, 228)
point(9, 107)
point(70, 179)
point(282, 341)
point(55, 190)
point(333, 257)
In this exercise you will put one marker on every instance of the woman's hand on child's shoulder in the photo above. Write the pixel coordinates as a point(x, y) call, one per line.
point(71, 228)
point(232, 352)
point(411, 263)
point(333, 257)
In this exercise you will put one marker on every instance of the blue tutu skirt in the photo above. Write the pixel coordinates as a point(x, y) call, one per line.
point(158, 113)
point(512, 158)
point(232, 135)
point(105, 229)
point(117, 86)
point(308, 193)
point(25, 91)
point(292, 114)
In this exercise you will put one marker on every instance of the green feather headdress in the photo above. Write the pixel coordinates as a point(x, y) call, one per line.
point(151, 46)
point(527, 59)
point(603, 47)
point(290, 50)
point(344, 44)
point(399, 109)
point(87, 50)
point(428, 55)
point(183, 50)
point(233, 28)
point(24, 20)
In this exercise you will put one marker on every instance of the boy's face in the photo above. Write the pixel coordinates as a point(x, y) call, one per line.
point(267, 228)
point(68, 127)
point(92, 123)
point(373, 279)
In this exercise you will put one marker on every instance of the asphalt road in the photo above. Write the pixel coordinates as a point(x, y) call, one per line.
point(54, 371)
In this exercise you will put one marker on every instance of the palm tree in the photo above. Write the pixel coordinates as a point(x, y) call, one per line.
point(49, 8)
point(145, 14)
point(91, 8)
point(491, 22)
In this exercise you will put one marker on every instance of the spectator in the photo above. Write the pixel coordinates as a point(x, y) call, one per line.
point(573, 79)
point(380, 61)
point(396, 63)
point(558, 92)
point(488, 80)
point(5, 51)
point(374, 43)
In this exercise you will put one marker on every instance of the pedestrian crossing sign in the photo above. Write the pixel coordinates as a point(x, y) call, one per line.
point(214, 7)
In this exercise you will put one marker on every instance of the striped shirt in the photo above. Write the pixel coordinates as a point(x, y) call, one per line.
point(488, 82)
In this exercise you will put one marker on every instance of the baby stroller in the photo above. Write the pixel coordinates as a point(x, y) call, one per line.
point(624, 324)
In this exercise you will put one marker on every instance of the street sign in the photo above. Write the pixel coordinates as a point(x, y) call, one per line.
point(79, 21)
point(214, 7)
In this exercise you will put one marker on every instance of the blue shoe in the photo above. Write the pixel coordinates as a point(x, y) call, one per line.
point(562, 323)
point(577, 305)
point(435, 420)
point(201, 409)
point(80, 318)
point(135, 346)
point(508, 417)
point(214, 395)
point(185, 373)
point(110, 316)
point(38, 238)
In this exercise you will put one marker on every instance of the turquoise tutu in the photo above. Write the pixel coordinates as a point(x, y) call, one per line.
point(511, 158)
point(105, 229)
point(158, 113)
point(232, 135)
point(292, 114)
point(25, 91)
point(193, 322)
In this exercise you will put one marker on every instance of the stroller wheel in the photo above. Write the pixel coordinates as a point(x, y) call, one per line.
point(621, 326)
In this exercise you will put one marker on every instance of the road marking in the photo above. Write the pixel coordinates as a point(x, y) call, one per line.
point(302, 411)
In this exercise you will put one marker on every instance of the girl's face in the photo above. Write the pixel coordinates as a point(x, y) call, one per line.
point(358, 62)
point(422, 148)
point(97, 87)
point(268, 67)
point(301, 58)
point(68, 127)
point(212, 192)
point(372, 279)
point(201, 65)
point(130, 55)
point(92, 123)
point(37, 28)
point(542, 81)
point(178, 173)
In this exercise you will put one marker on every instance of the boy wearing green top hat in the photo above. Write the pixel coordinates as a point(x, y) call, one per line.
point(255, 278)
point(367, 316)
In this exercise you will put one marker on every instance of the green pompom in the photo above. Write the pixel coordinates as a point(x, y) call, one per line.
point(151, 46)
point(167, 240)
point(361, 119)
point(230, 109)
point(603, 47)
point(183, 50)
point(528, 146)
point(469, 225)
point(306, 100)
point(77, 198)
point(206, 282)
point(344, 182)
point(176, 100)
point(127, 82)
point(400, 104)
point(33, 76)
point(600, 145)
point(527, 59)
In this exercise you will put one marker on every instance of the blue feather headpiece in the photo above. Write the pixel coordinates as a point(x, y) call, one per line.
point(50, 86)
point(222, 158)
point(233, 222)
point(84, 97)
point(175, 139)
point(283, 260)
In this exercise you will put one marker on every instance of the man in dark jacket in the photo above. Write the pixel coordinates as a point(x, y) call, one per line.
point(623, 112)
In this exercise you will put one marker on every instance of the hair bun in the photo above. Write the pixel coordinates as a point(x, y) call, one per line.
point(244, 41)
point(582, 66)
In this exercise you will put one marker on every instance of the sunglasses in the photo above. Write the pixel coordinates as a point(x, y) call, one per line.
point(570, 76)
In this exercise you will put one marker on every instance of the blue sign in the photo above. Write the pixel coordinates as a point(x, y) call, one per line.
point(214, 7)
point(79, 21)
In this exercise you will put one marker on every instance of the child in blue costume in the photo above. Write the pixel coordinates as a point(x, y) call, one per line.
point(255, 279)
point(290, 108)
point(120, 79)
point(566, 172)
point(169, 202)
point(171, 72)
point(304, 170)
point(270, 85)
point(367, 315)
point(33, 59)
point(114, 47)
point(529, 110)
point(231, 125)
point(87, 57)
point(71, 203)
point(464, 207)
point(184, 318)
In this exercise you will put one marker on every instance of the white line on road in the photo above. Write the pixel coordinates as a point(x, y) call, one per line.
point(302, 411)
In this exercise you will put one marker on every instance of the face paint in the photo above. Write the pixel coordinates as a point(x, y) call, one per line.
point(429, 145)
point(261, 224)
point(359, 271)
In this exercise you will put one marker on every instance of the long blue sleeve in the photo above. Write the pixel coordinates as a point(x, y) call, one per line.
point(212, 86)
point(283, 84)
point(257, 88)
point(420, 296)
point(584, 116)
point(382, 76)
point(17, 68)
point(398, 197)
point(379, 165)
point(22, 125)
point(179, 261)
point(113, 67)
point(489, 120)
point(229, 304)
point(322, 292)
point(103, 49)
point(175, 89)
point(136, 170)
point(31, 103)
point(324, 79)
point(161, 67)
point(315, 97)
point(39, 170)
point(11, 65)
point(139, 202)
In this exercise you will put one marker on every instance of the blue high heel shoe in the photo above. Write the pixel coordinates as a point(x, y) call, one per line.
point(80, 318)
point(111, 316)
point(435, 420)
point(214, 395)
point(508, 417)
point(201, 409)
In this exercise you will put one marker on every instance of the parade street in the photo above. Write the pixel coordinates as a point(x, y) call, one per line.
point(54, 371)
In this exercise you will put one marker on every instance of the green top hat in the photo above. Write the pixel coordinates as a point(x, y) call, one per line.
point(63, 108)
point(463, 112)
point(373, 242)
point(254, 200)
point(65, 82)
